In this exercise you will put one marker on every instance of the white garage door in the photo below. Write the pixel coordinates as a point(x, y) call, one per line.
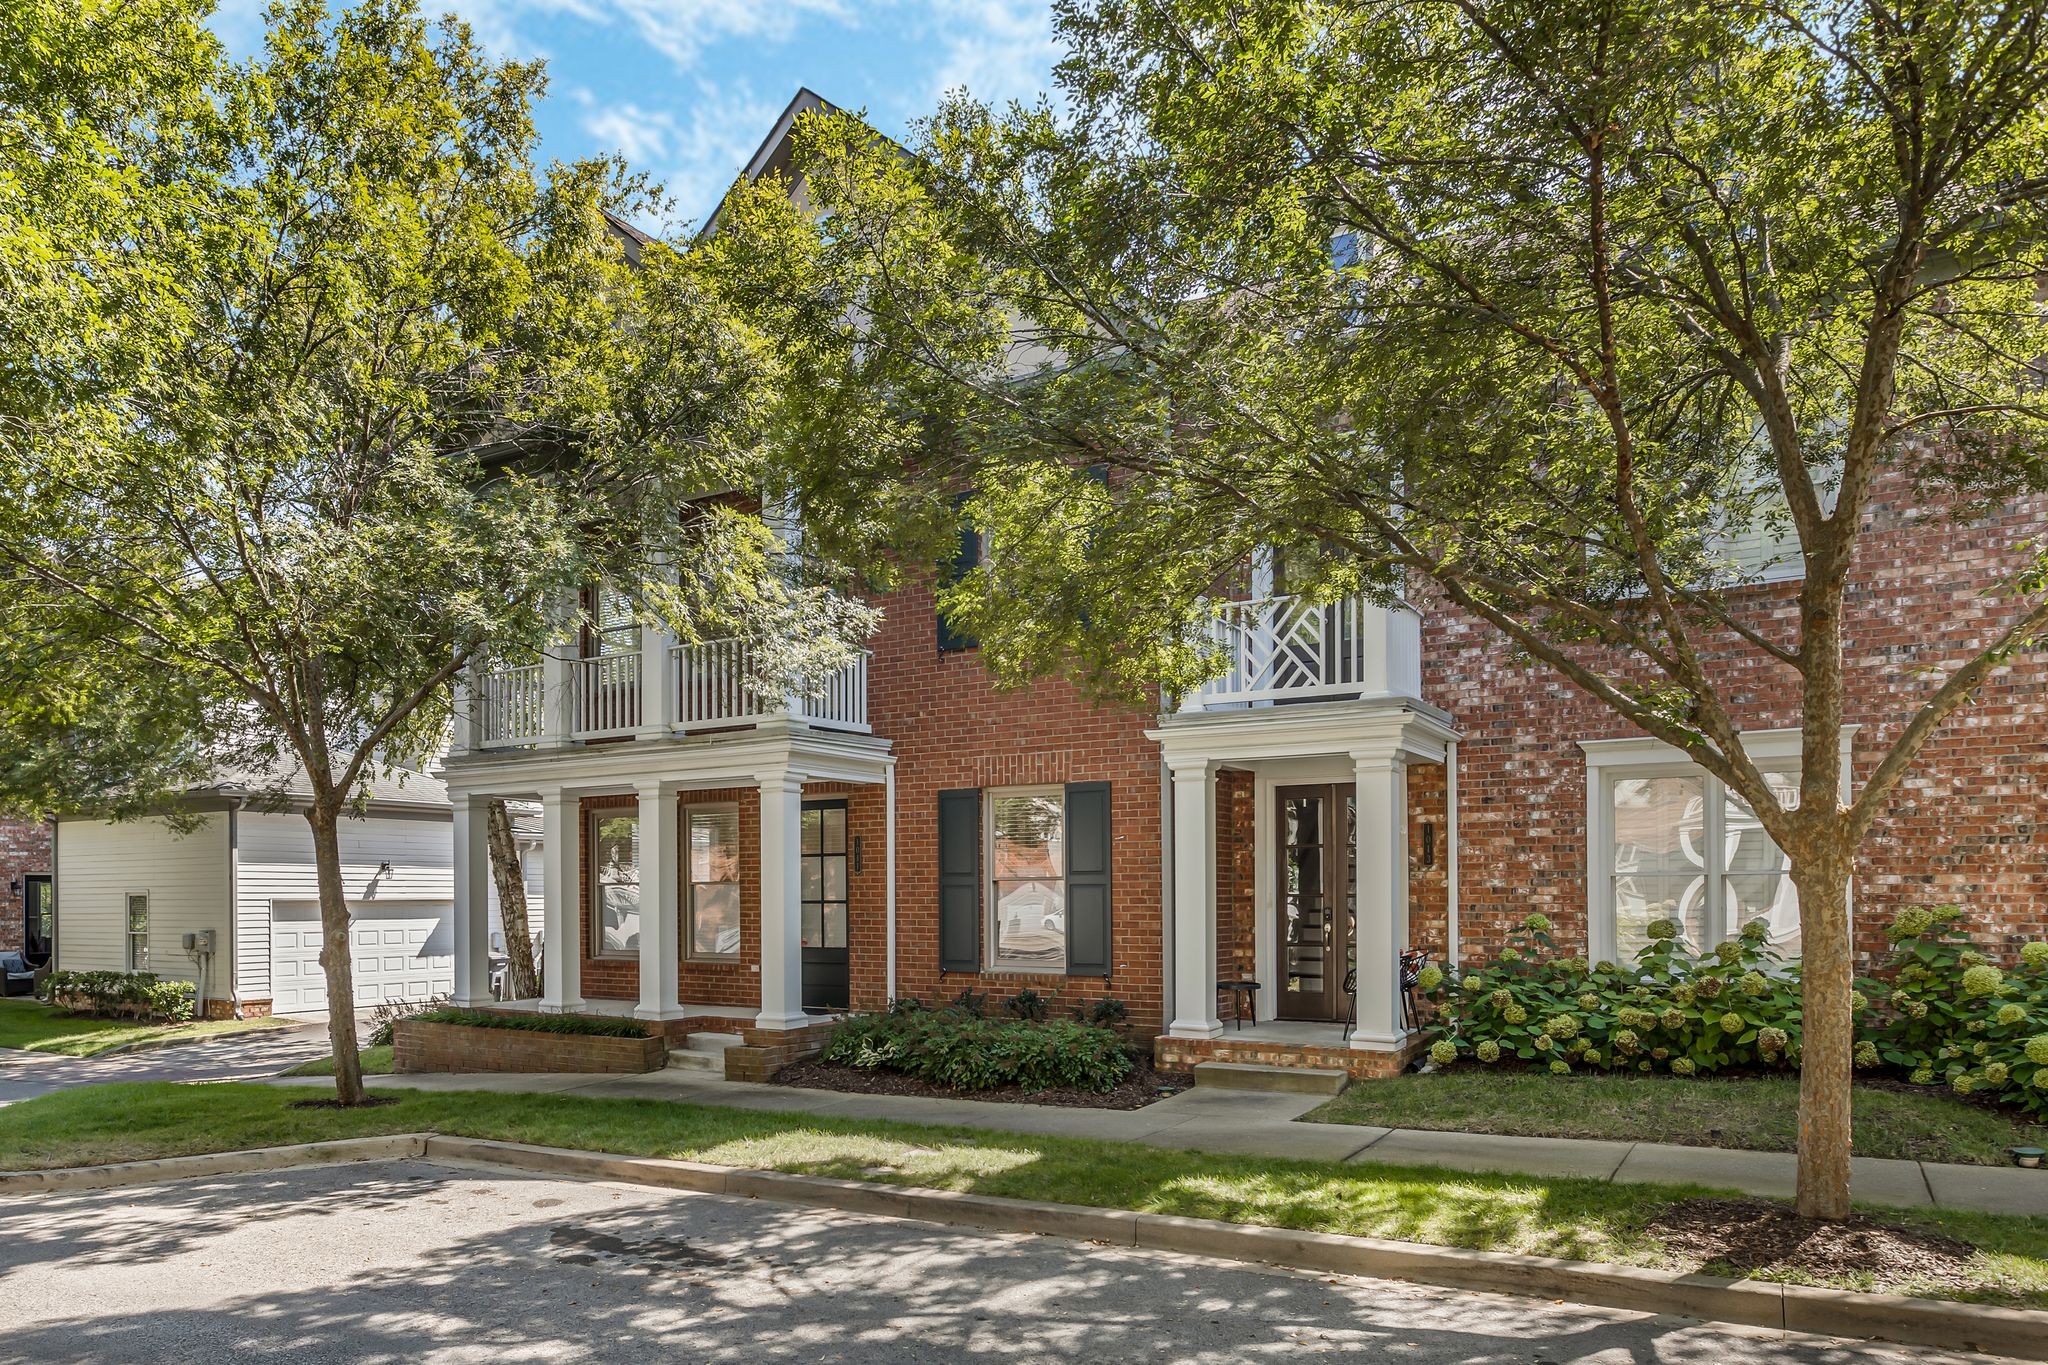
point(403, 950)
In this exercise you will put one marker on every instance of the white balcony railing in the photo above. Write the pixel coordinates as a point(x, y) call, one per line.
point(607, 696)
point(511, 706)
point(1280, 649)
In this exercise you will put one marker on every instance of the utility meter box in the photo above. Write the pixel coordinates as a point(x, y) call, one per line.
point(200, 942)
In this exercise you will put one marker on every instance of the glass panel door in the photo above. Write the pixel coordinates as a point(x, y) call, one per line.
point(1315, 880)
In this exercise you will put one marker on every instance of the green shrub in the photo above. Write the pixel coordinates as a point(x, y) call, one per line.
point(1676, 1011)
point(583, 1024)
point(963, 1051)
point(1027, 1005)
point(1946, 1015)
point(143, 996)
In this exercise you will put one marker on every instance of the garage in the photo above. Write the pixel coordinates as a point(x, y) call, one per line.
point(403, 950)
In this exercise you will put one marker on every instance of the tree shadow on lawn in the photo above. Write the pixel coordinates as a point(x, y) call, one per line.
point(523, 1267)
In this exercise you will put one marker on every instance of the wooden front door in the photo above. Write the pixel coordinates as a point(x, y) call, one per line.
point(1316, 903)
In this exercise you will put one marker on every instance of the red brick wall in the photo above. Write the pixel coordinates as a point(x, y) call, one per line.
point(420, 1046)
point(24, 849)
point(1428, 887)
point(953, 728)
point(1967, 827)
point(1236, 867)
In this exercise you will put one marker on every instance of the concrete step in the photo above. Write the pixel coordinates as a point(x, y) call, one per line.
point(680, 1059)
point(713, 1044)
point(1292, 1080)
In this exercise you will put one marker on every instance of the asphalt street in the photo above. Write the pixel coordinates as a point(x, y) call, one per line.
point(421, 1262)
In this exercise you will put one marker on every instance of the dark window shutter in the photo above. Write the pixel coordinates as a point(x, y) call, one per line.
point(960, 880)
point(1088, 858)
point(965, 560)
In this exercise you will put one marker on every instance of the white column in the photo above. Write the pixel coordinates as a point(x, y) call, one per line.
point(472, 904)
point(660, 926)
point(657, 673)
point(561, 846)
point(782, 987)
point(1382, 898)
point(1194, 902)
point(462, 737)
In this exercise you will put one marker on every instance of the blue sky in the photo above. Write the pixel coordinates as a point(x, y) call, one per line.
point(688, 88)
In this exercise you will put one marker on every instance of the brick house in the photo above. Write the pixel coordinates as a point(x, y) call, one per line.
point(25, 864)
point(1363, 780)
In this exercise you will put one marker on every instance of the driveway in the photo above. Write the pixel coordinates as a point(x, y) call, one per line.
point(244, 1057)
point(420, 1262)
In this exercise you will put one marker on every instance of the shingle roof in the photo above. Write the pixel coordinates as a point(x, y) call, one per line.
point(285, 783)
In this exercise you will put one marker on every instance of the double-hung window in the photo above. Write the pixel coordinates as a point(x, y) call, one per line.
point(615, 882)
point(138, 931)
point(1668, 840)
point(1027, 896)
point(712, 850)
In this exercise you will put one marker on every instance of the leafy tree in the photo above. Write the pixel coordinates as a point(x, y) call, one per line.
point(1522, 304)
point(401, 396)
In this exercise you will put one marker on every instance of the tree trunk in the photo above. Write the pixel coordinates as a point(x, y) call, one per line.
point(335, 955)
point(1828, 1027)
point(522, 983)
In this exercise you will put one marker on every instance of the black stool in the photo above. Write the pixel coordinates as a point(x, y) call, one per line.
point(1241, 993)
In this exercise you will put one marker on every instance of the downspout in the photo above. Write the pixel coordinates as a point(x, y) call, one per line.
point(889, 870)
point(234, 904)
point(1451, 852)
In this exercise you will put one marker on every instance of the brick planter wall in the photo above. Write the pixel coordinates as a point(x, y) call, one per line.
point(420, 1046)
point(1181, 1054)
point(763, 1051)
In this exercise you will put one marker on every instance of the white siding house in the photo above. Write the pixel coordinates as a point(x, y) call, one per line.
point(246, 873)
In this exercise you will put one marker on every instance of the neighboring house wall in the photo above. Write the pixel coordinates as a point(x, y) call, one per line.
point(276, 864)
point(533, 874)
point(186, 877)
point(1970, 826)
point(24, 851)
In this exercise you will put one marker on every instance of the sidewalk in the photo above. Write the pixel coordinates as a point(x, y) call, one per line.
point(1258, 1124)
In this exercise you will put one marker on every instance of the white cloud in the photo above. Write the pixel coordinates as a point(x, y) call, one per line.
point(999, 50)
point(696, 152)
point(642, 136)
point(678, 29)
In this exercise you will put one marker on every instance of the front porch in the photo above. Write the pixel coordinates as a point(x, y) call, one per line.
point(1291, 868)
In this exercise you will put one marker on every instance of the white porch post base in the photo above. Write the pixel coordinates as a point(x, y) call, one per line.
point(660, 942)
point(1382, 853)
point(472, 904)
point(1194, 902)
point(782, 986)
point(562, 979)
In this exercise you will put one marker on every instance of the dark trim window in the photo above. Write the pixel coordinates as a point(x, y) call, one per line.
point(824, 874)
point(615, 883)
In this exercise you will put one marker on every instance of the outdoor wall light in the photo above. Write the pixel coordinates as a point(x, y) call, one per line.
point(1429, 843)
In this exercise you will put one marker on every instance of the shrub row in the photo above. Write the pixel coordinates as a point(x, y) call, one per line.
point(962, 1051)
point(143, 996)
point(584, 1024)
point(1941, 1013)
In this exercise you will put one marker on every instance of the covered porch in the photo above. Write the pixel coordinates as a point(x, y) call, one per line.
point(692, 883)
point(1291, 904)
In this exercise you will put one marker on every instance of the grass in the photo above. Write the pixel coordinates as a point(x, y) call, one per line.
point(33, 1026)
point(376, 1061)
point(1760, 1114)
point(1577, 1218)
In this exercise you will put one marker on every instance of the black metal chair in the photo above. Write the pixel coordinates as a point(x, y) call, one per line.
point(1412, 962)
point(16, 976)
point(1351, 991)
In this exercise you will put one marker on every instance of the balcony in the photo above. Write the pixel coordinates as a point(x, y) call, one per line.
point(1285, 649)
point(683, 689)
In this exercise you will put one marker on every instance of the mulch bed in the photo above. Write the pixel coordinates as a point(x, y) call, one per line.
point(1744, 1236)
point(1141, 1087)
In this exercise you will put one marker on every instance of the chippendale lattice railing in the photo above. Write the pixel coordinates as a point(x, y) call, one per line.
point(1286, 648)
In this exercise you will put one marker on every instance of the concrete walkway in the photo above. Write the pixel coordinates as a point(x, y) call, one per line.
point(1257, 1124)
point(256, 1055)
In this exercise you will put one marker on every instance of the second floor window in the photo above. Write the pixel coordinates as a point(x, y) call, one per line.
point(614, 623)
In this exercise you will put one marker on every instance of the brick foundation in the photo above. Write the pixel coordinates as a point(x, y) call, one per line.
point(1181, 1054)
point(763, 1051)
point(255, 1009)
point(420, 1046)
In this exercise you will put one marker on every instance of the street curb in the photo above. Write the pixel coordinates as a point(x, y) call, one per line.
point(391, 1147)
point(2019, 1333)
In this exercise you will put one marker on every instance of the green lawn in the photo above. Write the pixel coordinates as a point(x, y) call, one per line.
point(1759, 1114)
point(376, 1062)
point(34, 1027)
point(1583, 1219)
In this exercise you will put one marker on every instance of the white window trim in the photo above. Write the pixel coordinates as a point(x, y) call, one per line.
point(989, 796)
point(1647, 757)
point(690, 884)
point(128, 934)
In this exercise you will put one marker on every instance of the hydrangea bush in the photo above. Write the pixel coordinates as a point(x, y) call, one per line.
point(1950, 1016)
point(1675, 1011)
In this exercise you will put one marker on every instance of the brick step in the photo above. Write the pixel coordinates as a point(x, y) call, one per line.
point(1293, 1080)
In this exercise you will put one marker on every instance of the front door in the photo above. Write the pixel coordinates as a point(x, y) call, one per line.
point(825, 868)
point(1318, 884)
point(39, 917)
